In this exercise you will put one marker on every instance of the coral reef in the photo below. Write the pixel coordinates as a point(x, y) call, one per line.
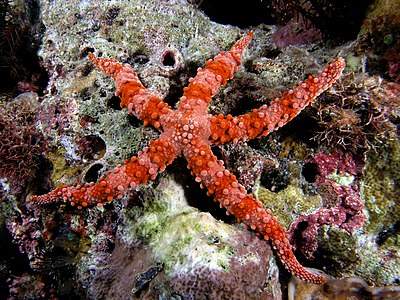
point(374, 249)
point(296, 32)
point(335, 199)
point(119, 250)
point(379, 253)
point(382, 196)
point(290, 197)
point(189, 131)
point(248, 165)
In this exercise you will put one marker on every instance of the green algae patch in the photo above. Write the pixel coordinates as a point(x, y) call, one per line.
point(180, 236)
point(185, 243)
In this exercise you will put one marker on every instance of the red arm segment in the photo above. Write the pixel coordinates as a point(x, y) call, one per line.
point(224, 187)
point(216, 72)
point(140, 102)
point(271, 117)
point(148, 163)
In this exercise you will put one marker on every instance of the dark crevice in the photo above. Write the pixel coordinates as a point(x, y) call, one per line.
point(275, 180)
point(339, 20)
point(168, 59)
point(391, 232)
point(93, 174)
point(310, 172)
point(134, 121)
point(21, 32)
point(254, 12)
point(114, 102)
point(91, 146)
point(12, 261)
point(196, 196)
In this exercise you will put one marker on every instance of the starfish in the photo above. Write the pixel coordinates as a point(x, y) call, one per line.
point(190, 131)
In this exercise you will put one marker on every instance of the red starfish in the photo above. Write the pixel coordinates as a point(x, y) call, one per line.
point(190, 131)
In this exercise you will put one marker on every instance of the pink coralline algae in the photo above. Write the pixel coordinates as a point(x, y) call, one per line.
point(343, 206)
point(295, 32)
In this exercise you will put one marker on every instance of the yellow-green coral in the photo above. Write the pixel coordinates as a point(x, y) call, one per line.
point(378, 264)
point(181, 236)
point(380, 189)
point(290, 202)
point(61, 170)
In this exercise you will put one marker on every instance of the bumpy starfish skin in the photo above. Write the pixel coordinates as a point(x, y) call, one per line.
point(190, 131)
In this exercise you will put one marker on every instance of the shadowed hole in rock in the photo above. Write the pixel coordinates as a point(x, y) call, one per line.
point(168, 59)
point(195, 195)
point(310, 172)
point(93, 174)
point(134, 121)
point(274, 180)
point(114, 102)
point(92, 146)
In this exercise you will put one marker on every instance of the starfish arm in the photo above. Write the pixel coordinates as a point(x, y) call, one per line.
point(224, 187)
point(140, 102)
point(271, 117)
point(148, 163)
point(216, 72)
